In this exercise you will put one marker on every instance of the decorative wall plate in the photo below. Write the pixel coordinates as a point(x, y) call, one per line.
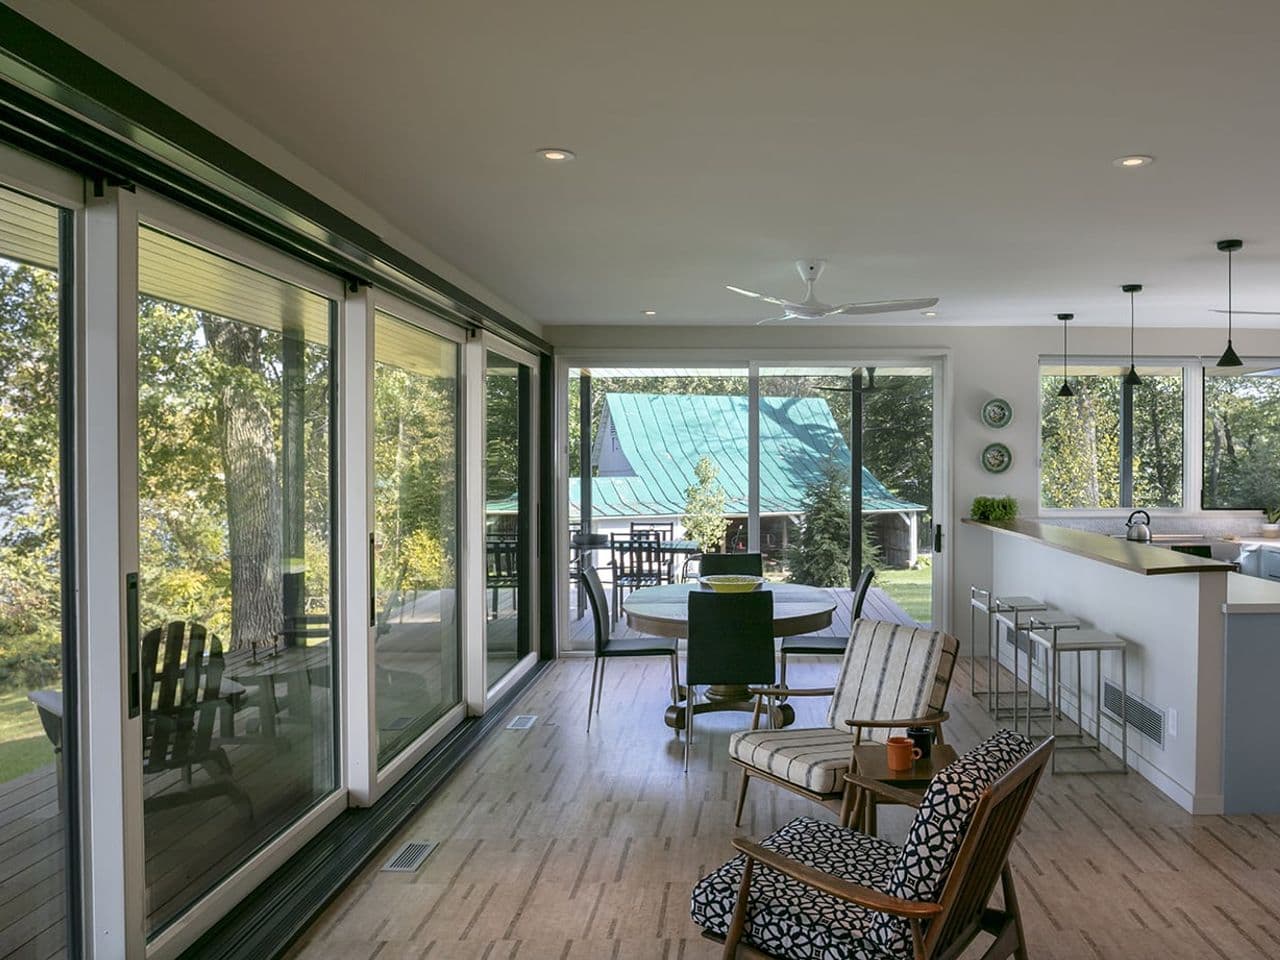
point(997, 413)
point(996, 458)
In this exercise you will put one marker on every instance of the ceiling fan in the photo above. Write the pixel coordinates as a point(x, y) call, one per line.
point(811, 308)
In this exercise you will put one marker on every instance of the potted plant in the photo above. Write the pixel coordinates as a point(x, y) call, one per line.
point(1272, 527)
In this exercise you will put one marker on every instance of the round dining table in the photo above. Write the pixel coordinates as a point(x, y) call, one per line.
point(664, 612)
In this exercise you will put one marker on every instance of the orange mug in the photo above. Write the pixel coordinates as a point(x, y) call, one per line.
point(902, 753)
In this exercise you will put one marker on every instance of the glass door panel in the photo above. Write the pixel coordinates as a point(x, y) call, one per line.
point(234, 485)
point(506, 523)
point(415, 505)
point(33, 590)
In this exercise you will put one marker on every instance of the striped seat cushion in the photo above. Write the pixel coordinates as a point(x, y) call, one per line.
point(889, 672)
point(814, 759)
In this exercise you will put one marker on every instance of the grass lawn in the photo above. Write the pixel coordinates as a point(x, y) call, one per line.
point(912, 590)
point(23, 745)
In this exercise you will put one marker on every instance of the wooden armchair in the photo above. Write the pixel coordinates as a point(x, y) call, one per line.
point(817, 889)
point(892, 677)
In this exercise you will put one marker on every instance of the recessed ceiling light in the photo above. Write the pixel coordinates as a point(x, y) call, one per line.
point(651, 313)
point(1134, 160)
point(930, 313)
point(556, 154)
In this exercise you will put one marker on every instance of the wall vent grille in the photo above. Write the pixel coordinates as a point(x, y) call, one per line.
point(522, 722)
point(1143, 717)
point(409, 857)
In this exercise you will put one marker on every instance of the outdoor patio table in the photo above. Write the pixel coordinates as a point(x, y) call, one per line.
point(664, 612)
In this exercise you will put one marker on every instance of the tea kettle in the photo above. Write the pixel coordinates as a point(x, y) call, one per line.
point(1141, 532)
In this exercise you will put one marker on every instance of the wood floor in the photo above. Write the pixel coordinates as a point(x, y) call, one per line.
point(567, 846)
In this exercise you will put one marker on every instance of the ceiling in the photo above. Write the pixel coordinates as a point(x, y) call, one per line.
point(959, 150)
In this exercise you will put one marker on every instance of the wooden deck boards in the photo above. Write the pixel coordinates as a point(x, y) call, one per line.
point(559, 844)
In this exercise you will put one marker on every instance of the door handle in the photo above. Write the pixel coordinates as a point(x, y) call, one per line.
point(132, 653)
point(373, 599)
point(937, 538)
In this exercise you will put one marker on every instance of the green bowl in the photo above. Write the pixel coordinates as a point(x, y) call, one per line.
point(731, 582)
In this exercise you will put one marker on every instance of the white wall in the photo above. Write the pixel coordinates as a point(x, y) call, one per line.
point(984, 362)
point(99, 41)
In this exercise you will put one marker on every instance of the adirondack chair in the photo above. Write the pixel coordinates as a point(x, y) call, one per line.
point(183, 695)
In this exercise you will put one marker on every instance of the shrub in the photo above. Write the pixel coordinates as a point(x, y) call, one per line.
point(994, 509)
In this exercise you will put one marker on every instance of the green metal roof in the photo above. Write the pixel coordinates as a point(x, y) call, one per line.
point(664, 435)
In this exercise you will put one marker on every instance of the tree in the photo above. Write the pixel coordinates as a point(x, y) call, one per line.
point(704, 517)
point(820, 555)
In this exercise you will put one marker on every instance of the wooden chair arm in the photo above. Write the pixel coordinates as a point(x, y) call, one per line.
point(932, 720)
point(896, 794)
point(836, 887)
point(791, 692)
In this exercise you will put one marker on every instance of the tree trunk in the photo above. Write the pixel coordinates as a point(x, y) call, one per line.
point(253, 490)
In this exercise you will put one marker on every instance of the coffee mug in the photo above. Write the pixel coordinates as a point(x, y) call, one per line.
point(922, 737)
point(902, 753)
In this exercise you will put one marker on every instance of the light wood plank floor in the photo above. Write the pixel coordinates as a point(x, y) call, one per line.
point(567, 846)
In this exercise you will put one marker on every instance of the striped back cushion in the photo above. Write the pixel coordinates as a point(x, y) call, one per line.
point(889, 673)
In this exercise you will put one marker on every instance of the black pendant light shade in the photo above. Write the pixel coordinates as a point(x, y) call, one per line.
point(1131, 378)
point(1229, 356)
point(1065, 390)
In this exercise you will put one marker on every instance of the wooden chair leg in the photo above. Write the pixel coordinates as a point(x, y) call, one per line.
point(739, 921)
point(1011, 908)
point(591, 697)
point(742, 797)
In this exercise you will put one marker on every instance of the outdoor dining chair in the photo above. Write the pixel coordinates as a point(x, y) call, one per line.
point(815, 889)
point(636, 563)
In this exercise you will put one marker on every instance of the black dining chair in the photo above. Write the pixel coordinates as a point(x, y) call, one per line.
point(743, 564)
point(730, 642)
point(636, 563)
point(610, 646)
point(832, 646)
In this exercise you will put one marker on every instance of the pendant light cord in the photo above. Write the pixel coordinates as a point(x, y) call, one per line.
point(1230, 254)
point(1064, 350)
point(1131, 364)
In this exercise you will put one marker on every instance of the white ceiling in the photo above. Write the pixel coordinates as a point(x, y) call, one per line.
point(961, 150)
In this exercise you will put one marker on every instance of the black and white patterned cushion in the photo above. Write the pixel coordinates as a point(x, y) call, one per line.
point(938, 829)
point(788, 919)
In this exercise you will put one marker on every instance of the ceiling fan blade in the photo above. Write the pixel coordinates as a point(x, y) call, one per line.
point(885, 306)
point(1251, 313)
point(772, 320)
point(756, 296)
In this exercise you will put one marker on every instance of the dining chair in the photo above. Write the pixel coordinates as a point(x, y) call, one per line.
point(636, 563)
point(833, 892)
point(824, 645)
point(730, 642)
point(892, 677)
point(743, 564)
point(607, 645)
point(663, 533)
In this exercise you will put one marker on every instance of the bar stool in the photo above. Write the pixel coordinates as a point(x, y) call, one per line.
point(1042, 632)
point(1008, 611)
point(1082, 641)
point(979, 602)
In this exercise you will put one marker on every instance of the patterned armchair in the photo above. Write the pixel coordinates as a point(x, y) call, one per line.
point(817, 891)
point(892, 676)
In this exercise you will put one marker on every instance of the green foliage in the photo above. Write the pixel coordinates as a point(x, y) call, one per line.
point(820, 554)
point(29, 658)
point(1242, 442)
point(704, 517)
point(994, 509)
point(1080, 442)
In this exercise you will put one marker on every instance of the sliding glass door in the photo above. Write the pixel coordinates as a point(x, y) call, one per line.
point(235, 399)
point(37, 759)
point(417, 655)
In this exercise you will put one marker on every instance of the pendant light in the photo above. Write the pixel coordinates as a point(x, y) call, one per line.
point(1066, 390)
point(1131, 378)
point(1229, 356)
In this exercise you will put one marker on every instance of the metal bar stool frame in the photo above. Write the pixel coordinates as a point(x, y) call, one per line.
point(1054, 621)
point(979, 601)
point(1000, 606)
point(1097, 642)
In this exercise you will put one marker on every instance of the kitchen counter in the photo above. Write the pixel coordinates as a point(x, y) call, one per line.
point(1251, 595)
point(1140, 558)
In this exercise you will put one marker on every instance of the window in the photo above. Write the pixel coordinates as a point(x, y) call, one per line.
point(1111, 446)
point(234, 526)
point(415, 508)
point(1241, 439)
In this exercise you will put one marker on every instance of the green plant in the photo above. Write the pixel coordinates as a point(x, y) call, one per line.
point(704, 517)
point(1273, 513)
point(994, 509)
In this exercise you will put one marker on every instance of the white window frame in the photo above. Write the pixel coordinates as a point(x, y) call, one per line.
point(1192, 437)
point(154, 211)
